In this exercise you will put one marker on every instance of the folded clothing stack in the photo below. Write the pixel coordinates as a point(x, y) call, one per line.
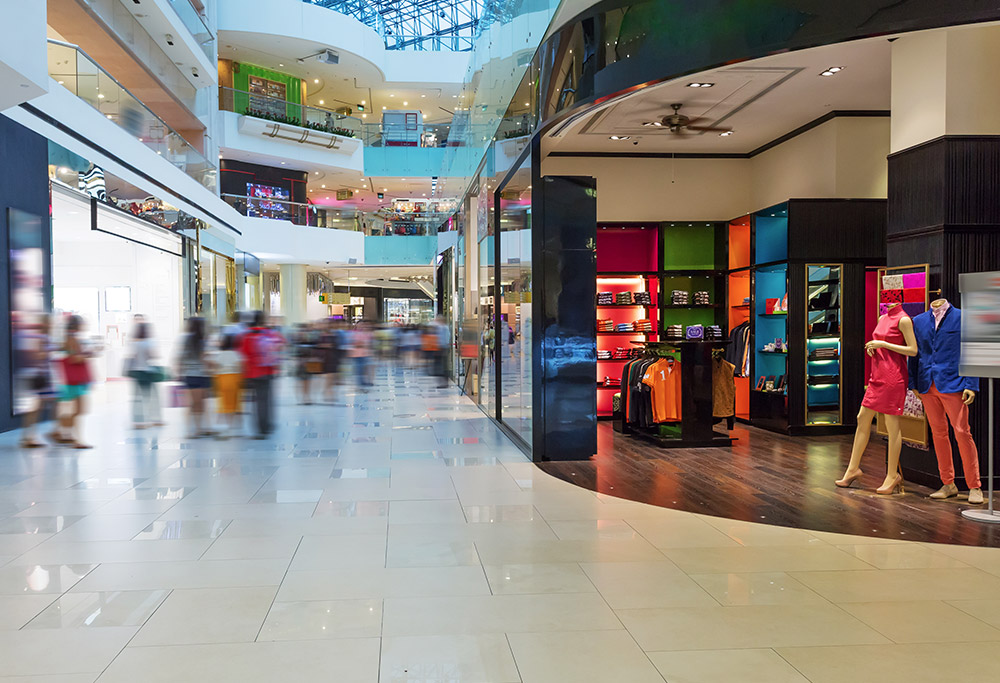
point(702, 299)
point(680, 298)
point(643, 325)
point(624, 327)
point(606, 325)
point(675, 332)
point(823, 379)
point(642, 298)
point(825, 353)
point(605, 298)
point(603, 354)
point(621, 353)
point(713, 333)
point(623, 298)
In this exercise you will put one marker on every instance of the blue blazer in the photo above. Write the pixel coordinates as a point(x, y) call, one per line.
point(938, 351)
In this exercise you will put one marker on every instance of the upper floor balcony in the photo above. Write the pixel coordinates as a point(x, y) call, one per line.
point(76, 71)
point(194, 20)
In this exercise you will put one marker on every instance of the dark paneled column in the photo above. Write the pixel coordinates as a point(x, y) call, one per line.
point(24, 185)
point(564, 342)
point(943, 210)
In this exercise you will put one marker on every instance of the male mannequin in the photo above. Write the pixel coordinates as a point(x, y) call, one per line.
point(946, 395)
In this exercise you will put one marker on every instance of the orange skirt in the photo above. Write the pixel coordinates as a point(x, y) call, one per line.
point(227, 388)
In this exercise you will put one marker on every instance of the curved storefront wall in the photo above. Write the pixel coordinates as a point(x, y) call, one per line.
point(615, 47)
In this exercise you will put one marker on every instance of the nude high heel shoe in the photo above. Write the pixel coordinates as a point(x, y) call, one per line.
point(896, 483)
point(849, 479)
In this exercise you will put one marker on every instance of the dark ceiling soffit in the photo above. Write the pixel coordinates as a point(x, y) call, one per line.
point(860, 113)
point(38, 113)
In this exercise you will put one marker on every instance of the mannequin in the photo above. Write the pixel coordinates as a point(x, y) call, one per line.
point(946, 395)
point(892, 342)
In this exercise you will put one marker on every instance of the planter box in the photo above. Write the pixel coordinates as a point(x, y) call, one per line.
point(305, 136)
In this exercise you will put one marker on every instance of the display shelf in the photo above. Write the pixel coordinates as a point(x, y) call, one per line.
point(609, 386)
point(773, 315)
point(692, 306)
point(616, 274)
point(624, 333)
point(626, 306)
point(774, 353)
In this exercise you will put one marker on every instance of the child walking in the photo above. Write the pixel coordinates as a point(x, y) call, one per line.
point(228, 384)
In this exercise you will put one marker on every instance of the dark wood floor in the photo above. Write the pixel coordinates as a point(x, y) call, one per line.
point(774, 479)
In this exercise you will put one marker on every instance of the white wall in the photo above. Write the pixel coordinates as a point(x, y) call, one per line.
point(637, 189)
point(844, 157)
point(274, 241)
point(23, 56)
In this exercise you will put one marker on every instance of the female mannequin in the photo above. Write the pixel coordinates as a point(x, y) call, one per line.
point(892, 342)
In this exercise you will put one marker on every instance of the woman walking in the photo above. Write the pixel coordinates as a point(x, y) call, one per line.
point(228, 364)
point(76, 384)
point(145, 373)
point(193, 369)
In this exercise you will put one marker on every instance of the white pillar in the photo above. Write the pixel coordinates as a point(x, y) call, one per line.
point(293, 293)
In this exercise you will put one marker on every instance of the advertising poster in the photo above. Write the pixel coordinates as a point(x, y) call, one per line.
point(27, 305)
point(980, 324)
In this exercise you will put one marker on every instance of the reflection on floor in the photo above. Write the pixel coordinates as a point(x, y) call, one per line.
point(398, 536)
point(775, 479)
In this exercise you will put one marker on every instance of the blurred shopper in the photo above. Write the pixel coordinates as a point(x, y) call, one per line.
point(76, 383)
point(228, 366)
point(331, 348)
point(360, 351)
point(304, 354)
point(144, 371)
point(438, 341)
point(261, 351)
point(37, 352)
point(192, 368)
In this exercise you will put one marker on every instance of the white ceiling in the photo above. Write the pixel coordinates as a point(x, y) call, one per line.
point(760, 100)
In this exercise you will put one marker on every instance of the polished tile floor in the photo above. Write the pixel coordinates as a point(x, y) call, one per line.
point(398, 536)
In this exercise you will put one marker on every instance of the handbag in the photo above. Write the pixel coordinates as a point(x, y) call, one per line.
point(75, 374)
point(177, 396)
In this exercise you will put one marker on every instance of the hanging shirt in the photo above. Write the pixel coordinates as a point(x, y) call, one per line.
point(664, 380)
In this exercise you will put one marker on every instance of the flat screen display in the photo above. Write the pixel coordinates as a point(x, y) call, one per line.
point(29, 344)
point(267, 201)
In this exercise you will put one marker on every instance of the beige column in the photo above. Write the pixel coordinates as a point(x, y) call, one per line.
point(942, 84)
point(293, 293)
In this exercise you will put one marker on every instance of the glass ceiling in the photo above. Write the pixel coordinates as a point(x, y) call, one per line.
point(416, 24)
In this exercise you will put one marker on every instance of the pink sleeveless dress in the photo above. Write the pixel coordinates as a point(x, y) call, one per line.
point(887, 383)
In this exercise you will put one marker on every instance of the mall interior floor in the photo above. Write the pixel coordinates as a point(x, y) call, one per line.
point(775, 479)
point(398, 536)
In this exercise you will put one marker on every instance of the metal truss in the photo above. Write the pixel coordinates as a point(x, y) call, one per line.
point(417, 24)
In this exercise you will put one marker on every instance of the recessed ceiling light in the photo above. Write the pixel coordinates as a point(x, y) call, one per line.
point(282, 163)
point(362, 101)
point(726, 134)
point(832, 70)
point(364, 116)
point(281, 65)
point(315, 80)
point(655, 124)
point(423, 95)
point(405, 103)
point(619, 137)
point(383, 108)
point(323, 186)
point(698, 84)
point(322, 102)
point(391, 95)
point(527, 104)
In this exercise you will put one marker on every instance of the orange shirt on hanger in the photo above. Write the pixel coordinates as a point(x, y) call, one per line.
point(664, 380)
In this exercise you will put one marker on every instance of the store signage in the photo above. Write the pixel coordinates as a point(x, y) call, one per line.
point(344, 194)
point(980, 324)
point(337, 298)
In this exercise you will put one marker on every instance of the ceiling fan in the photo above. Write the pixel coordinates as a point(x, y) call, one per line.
point(679, 124)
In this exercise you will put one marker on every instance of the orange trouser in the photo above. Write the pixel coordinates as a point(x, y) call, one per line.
point(940, 408)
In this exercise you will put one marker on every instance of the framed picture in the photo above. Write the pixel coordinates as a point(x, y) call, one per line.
point(761, 383)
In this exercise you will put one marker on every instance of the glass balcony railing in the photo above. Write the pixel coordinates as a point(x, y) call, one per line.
point(73, 69)
point(196, 24)
point(378, 223)
point(292, 113)
point(416, 135)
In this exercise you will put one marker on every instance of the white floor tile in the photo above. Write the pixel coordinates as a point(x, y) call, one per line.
point(316, 620)
point(581, 657)
point(209, 615)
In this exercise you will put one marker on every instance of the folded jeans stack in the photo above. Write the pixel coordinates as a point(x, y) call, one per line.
point(642, 298)
point(702, 299)
point(680, 298)
point(605, 298)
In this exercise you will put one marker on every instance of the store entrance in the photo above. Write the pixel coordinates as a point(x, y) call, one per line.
point(108, 276)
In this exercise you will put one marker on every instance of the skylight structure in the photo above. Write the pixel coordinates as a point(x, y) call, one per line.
point(416, 24)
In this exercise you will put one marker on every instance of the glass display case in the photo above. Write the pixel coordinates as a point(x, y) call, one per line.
point(824, 370)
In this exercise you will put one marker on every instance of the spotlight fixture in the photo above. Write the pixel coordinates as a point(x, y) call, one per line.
point(726, 134)
point(619, 137)
point(654, 124)
point(832, 70)
point(697, 84)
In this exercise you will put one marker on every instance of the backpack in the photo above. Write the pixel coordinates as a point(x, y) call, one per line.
point(267, 349)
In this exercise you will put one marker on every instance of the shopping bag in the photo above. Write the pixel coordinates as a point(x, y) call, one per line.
point(177, 395)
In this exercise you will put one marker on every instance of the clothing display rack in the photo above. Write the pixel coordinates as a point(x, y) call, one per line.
point(690, 417)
